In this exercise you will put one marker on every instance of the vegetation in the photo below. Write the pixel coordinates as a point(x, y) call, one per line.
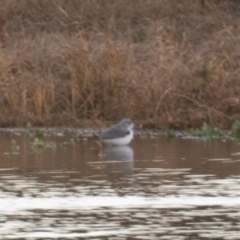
point(15, 147)
point(208, 131)
point(165, 63)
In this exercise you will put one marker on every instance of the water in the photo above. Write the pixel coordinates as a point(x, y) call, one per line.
point(153, 189)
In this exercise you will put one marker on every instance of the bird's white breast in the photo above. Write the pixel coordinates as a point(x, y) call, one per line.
point(120, 141)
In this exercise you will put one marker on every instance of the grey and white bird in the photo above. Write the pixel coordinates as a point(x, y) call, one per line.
point(119, 134)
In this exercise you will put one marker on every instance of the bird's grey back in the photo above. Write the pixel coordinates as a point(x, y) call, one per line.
point(118, 130)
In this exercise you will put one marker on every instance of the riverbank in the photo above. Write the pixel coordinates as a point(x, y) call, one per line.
point(169, 64)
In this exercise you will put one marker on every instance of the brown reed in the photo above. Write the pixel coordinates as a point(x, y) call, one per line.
point(163, 63)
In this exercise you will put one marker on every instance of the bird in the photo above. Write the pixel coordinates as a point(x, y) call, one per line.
point(118, 134)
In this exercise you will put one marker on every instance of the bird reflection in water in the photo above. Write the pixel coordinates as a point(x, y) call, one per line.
point(119, 159)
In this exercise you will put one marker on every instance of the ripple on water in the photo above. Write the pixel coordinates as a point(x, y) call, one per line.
point(180, 189)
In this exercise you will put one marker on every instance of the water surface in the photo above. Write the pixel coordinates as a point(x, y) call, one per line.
point(154, 188)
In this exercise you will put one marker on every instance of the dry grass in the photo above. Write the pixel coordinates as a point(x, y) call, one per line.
point(160, 62)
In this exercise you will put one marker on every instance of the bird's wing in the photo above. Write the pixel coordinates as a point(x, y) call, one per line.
point(114, 132)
